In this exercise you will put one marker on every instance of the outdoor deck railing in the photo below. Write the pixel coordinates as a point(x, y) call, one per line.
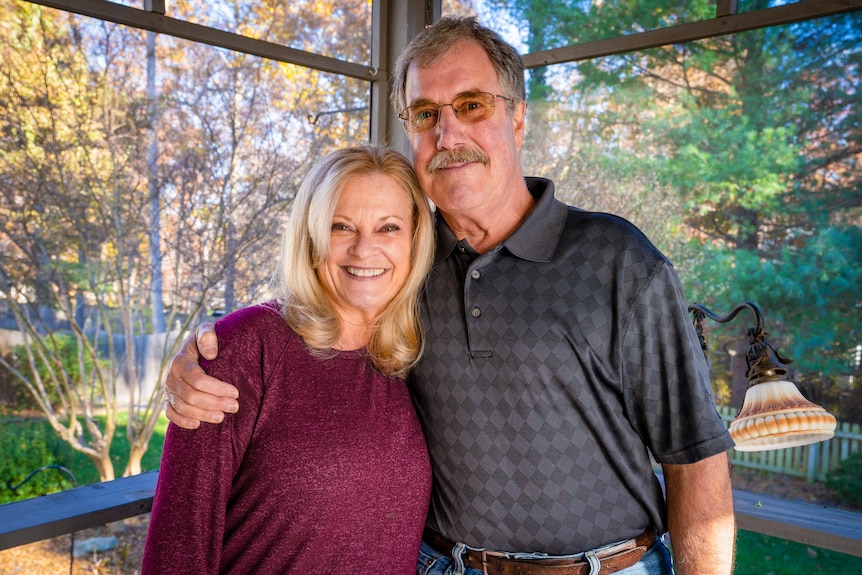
point(94, 505)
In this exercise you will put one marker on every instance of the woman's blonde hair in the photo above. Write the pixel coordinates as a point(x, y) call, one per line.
point(396, 342)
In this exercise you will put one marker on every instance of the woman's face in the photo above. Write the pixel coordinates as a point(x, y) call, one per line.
point(370, 243)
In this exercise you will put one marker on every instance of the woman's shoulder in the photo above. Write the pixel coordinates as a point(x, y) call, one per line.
point(251, 341)
point(260, 322)
point(263, 312)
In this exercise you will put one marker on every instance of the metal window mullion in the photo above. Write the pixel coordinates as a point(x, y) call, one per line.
point(143, 19)
point(777, 16)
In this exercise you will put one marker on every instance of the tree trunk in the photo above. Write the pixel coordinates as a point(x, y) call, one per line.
point(157, 298)
point(136, 453)
point(230, 272)
point(102, 461)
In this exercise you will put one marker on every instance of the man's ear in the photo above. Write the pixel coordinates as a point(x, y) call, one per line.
point(518, 120)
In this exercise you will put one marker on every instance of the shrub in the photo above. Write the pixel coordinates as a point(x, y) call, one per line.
point(61, 348)
point(27, 445)
point(14, 395)
point(846, 479)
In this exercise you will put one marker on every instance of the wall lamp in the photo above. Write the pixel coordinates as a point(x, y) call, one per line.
point(774, 413)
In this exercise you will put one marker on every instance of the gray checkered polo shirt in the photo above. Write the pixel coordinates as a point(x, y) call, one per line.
point(552, 364)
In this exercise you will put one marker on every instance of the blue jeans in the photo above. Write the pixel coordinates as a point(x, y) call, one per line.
point(656, 561)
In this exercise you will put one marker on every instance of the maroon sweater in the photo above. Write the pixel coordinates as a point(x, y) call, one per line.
point(323, 470)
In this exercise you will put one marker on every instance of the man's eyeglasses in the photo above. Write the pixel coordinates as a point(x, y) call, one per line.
point(470, 108)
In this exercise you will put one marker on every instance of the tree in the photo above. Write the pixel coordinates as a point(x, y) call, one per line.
point(79, 194)
point(69, 222)
point(752, 142)
point(156, 294)
point(768, 120)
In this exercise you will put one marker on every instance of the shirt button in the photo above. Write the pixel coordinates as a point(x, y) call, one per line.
point(475, 274)
point(476, 312)
point(461, 249)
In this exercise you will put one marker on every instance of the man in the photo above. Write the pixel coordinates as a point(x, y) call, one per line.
point(558, 355)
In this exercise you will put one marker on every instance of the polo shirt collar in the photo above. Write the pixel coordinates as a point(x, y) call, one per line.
point(537, 236)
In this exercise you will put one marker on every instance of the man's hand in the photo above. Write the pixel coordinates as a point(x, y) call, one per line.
point(191, 395)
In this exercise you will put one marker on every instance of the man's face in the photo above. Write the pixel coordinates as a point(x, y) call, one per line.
point(480, 186)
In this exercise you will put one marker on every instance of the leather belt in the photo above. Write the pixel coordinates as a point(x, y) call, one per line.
point(611, 558)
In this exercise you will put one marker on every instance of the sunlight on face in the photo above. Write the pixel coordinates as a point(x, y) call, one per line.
point(370, 244)
point(469, 188)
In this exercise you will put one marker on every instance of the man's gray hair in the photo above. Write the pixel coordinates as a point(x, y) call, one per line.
point(433, 42)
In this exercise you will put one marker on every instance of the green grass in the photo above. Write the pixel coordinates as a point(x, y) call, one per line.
point(758, 554)
point(28, 443)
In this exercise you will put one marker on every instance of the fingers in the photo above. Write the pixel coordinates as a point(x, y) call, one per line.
point(194, 396)
point(199, 396)
point(177, 419)
point(207, 342)
point(203, 398)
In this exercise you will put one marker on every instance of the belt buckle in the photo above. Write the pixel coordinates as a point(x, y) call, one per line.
point(486, 554)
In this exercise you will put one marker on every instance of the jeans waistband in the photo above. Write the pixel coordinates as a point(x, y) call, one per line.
point(602, 560)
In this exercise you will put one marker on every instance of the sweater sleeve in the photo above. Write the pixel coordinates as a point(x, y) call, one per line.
point(187, 524)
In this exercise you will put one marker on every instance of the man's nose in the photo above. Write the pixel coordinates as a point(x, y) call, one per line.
point(449, 128)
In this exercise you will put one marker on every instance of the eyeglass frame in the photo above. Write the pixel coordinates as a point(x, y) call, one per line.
point(492, 106)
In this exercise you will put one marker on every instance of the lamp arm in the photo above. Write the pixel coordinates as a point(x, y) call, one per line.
point(755, 334)
point(765, 363)
point(700, 312)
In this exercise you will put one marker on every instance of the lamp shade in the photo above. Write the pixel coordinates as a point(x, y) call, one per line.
point(774, 412)
point(776, 415)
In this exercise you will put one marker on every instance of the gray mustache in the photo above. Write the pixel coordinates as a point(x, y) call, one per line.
point(447, 158)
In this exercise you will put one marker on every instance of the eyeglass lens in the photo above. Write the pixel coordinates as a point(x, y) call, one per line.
point(469, 108)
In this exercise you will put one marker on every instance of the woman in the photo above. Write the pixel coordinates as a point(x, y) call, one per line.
point(324, 468)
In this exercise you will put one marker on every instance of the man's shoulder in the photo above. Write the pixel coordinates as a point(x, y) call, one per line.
point(582, 216)
point(605, 224)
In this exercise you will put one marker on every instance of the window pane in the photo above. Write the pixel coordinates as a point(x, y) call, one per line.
point(335, 28)
point(536, 26)
point(222, 139)
point(741, 157)
point(140, 196)
point(751, 5)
